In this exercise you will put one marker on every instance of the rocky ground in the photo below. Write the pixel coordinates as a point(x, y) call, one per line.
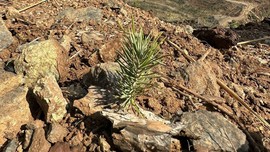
point(56, 66)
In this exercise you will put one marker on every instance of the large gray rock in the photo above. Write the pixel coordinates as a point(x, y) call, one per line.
point(14, 106)
point(210, 131)
point(42, 64)
point(6, 38)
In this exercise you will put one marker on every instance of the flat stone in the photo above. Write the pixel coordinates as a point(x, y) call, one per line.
point(56, 133)
point(39, 142)
point(14, 106)
point(50, 98)
point(40, 59)
point(104, 74)
point(212, 132)
point(202, 79)
point(93, 102)
point(132, 133)
point(108, 52)
point(82, 14)
point(88, 38)
point(6, 38)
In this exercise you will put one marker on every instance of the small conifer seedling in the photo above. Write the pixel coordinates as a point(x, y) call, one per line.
point(139, 55)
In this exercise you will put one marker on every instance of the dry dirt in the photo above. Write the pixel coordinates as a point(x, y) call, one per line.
point(245, 69)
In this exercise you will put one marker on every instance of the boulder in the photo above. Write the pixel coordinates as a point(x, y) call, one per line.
point(14, 106)
point(40, 59)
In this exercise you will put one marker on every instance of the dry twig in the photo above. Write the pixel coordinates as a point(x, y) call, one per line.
point(33, 5)
point(235, 96)
point(255, 40)
point(223, 109)
point(186, 95)
point(205, 55)
point(190, 59)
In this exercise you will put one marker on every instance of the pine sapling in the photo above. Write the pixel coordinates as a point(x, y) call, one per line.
point(139, 55)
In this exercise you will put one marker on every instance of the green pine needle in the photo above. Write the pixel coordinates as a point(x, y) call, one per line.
point(139, 55)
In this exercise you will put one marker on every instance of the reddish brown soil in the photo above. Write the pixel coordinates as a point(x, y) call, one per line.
point(245, 69)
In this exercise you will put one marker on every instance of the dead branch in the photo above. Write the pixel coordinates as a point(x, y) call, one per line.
point(205, 55)
point(190, 59)
point(255, 40)
point(33, 5)
point(223, 109)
